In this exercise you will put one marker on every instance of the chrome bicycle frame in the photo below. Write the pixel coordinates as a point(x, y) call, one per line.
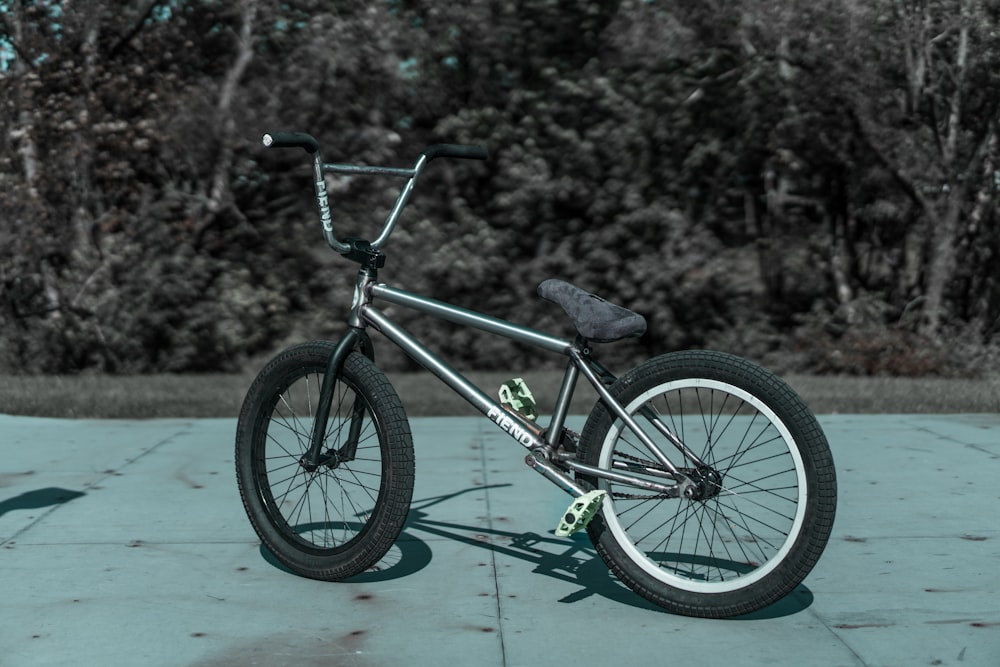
point(541, 442)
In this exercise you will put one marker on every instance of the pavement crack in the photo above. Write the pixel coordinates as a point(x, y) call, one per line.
point(493, 554)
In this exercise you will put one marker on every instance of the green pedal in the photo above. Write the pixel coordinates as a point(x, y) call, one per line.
point(580, 512)
point(515, 395)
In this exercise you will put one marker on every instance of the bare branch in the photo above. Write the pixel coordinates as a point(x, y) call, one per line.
point(955, 111)
point(124, 41)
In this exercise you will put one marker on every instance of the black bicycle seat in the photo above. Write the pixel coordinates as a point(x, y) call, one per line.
point(595, 319)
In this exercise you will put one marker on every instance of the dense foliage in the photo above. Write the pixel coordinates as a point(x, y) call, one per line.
point(812, 184)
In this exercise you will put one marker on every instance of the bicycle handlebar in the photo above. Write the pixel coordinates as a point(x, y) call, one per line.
point(292, 140)
point(309, 144)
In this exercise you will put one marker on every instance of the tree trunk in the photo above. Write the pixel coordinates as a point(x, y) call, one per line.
point(840, 261)
point(941, 265)
point(244, 54)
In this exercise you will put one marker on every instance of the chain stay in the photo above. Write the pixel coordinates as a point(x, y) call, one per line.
point(636, 496)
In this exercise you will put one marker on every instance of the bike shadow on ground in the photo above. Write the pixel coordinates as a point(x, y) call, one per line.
point(39, 499)
point(571, 560)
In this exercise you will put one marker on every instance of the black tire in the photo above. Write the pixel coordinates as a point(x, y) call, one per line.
point(757, 529)
point(341, 518)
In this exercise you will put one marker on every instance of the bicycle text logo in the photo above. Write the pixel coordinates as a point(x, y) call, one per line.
point(324, 205)
point(501, 419)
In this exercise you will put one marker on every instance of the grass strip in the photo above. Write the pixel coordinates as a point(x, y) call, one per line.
point(220, 395)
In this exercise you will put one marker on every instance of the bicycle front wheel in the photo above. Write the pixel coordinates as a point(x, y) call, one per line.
point(766, 497)
point(338, 519)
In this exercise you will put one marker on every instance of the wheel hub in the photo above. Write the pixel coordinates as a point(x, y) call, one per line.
point(331, 460)
point(707, 483)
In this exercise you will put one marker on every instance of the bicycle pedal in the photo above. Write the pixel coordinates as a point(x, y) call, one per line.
point(515, 395)
point(580, 512)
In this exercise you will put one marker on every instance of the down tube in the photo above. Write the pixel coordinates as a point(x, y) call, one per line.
point(526, 433)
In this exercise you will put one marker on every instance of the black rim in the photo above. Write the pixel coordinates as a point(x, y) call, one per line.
point(325, 511)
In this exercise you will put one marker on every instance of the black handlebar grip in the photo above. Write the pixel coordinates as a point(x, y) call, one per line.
point(291, 140)
point(456, 150)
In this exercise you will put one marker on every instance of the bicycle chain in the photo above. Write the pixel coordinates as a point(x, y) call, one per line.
point(575, 437)
point(636, 496)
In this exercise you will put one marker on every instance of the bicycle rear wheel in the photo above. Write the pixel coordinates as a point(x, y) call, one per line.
point(338, 519)
point(766, 493)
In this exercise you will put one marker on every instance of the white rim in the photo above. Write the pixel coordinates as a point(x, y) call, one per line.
point(640, 558)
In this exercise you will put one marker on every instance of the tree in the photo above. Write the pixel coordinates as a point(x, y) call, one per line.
point(735, 170)
point(100, 202)
point(929, 113)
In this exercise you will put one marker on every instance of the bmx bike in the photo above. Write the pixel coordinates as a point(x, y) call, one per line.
point(703, 481)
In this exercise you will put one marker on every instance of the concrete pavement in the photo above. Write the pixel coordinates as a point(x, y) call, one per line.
point(125, 543)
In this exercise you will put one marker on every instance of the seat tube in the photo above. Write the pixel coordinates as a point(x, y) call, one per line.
point(563, 400)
